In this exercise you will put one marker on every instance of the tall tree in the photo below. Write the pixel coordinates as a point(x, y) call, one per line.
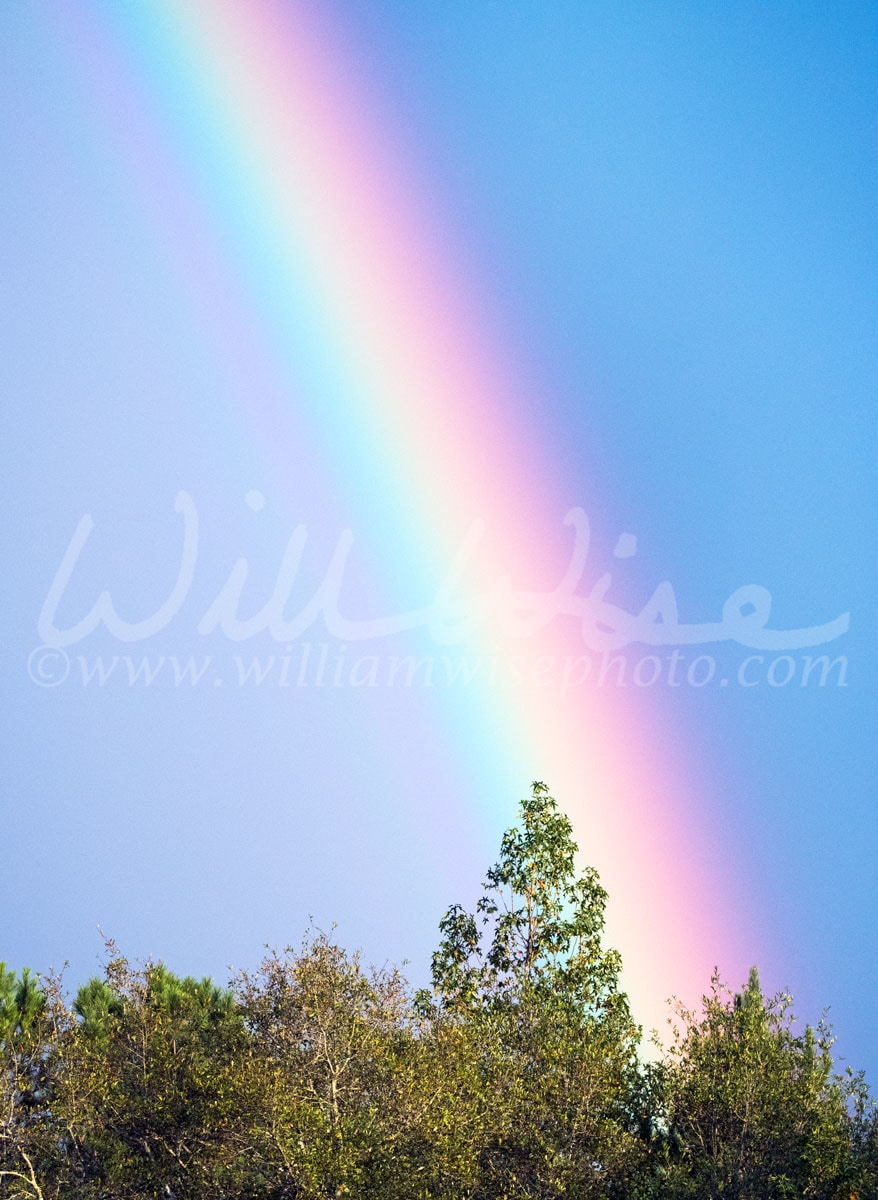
point(529, 980)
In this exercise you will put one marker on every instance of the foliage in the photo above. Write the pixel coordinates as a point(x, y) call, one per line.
point(24, 1079)
point(516, 1076)
point(538, 995)
point(146, 1094)
point(754, 1111)
point(326, 1076)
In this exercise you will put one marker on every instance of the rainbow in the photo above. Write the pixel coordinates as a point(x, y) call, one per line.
point(302, 228)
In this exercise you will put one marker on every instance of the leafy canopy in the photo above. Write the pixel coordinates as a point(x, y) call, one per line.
point(541, 921)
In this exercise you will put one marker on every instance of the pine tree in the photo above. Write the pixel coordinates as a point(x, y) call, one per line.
point(753, 1110)
point(24, 1080)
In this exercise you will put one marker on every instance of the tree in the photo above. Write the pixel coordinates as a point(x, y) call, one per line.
point(752, 1110)
point(24, 1078)
point(144, 1103)
point(528, 980)
point(325, 1075)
